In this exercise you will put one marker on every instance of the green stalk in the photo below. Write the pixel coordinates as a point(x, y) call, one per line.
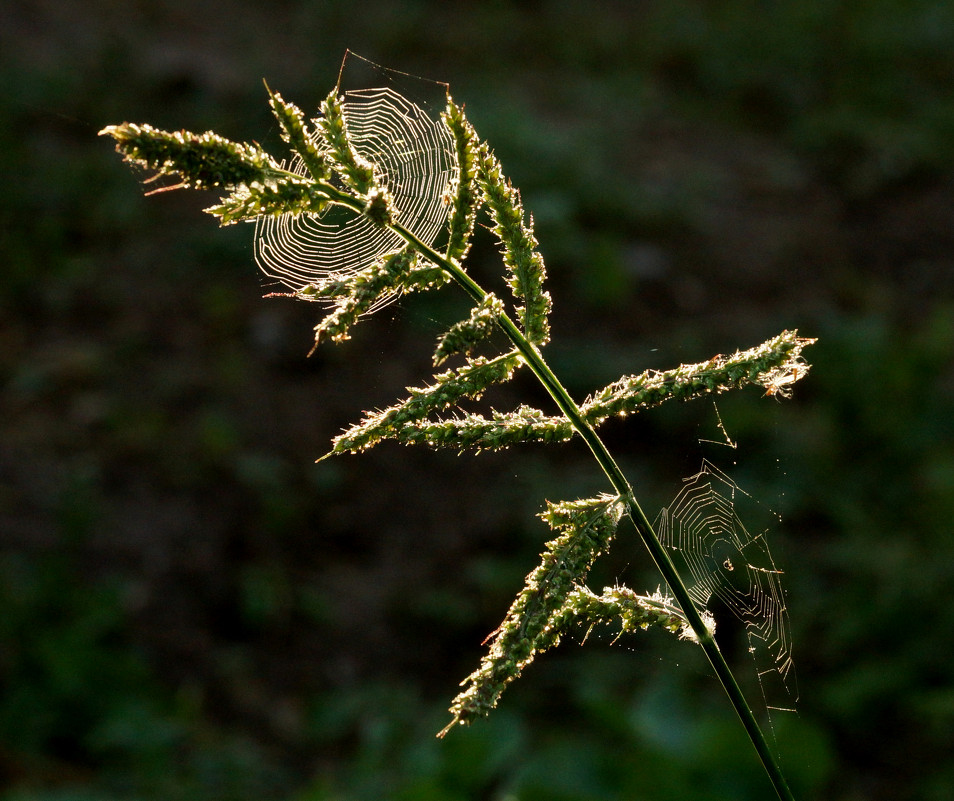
point(644, 528)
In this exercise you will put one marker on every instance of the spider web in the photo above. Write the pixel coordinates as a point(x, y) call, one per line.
point(731, 567)
point(413, 156)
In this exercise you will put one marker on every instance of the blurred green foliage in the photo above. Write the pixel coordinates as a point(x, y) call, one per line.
point(190, 609)
point(79, 701)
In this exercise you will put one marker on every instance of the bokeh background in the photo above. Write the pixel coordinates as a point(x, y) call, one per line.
point(191, 608)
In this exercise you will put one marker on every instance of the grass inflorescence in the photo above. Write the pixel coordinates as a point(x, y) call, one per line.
point(554, 596)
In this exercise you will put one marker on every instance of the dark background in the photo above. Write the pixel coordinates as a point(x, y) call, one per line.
point(191, 608)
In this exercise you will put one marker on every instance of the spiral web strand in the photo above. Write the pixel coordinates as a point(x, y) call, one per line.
point(702, 530)
point(413, 157)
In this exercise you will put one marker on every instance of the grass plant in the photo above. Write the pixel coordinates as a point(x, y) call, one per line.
point(334, 169)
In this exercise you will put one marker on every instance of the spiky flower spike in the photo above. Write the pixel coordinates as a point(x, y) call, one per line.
point(295, 132)
point(524, 262)
point(340, 169)
point(586, 528)
point(465, 192)
point(354, 170)
point(200, 161)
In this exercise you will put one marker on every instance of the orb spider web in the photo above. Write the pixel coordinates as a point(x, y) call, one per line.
point(735, 570)
point(414, 158)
